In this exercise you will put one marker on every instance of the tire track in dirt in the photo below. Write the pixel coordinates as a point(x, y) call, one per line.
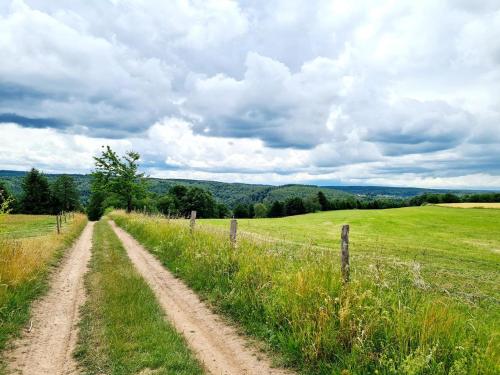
point(47, 348)
point(216, 344)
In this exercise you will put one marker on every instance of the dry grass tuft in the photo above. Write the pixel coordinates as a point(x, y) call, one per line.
point(470, 205)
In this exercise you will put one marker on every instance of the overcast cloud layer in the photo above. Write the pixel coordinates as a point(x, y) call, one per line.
point(327, 92)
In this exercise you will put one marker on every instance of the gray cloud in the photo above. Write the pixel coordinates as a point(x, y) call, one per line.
point(381, 88)
point(33, 122)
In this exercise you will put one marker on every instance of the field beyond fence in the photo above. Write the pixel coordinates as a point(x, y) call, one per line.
point(393, 317)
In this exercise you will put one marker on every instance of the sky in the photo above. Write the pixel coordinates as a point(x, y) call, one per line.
point(400, 93)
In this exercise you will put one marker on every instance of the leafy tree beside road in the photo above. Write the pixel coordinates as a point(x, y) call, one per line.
point(117, 177)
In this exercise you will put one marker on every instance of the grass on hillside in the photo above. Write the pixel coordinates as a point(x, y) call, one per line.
point(123, 330)
point(456, 251)
point(389, 319)
point(25, 264)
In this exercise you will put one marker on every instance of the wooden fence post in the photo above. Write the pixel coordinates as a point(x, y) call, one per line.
point(58, 225)
point(192, 222)
point(232, 232)
point(344, 253)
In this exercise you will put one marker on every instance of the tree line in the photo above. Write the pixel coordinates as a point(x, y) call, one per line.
point(117, 183)
point(39, 197)
point(298, 206)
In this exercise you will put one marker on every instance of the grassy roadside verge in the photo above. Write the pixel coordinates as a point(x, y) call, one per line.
point(25, 265)
point(386, 321)
point(123, 329)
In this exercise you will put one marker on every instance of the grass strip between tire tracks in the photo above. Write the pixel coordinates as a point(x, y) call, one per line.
point(123, 329)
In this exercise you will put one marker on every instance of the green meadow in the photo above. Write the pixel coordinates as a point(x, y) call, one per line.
point(457, 251)
point(22, 226)
point(423, 296)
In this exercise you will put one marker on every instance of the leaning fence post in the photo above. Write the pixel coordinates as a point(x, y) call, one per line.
point(232, 232)
point(192, 222)
point(344, 248)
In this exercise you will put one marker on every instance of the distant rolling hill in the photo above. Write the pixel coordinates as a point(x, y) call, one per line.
point(228, 193)
point(395, 192)
point(234, 193)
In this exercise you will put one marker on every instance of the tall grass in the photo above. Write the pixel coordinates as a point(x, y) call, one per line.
point(25, 265)
point(385, 321)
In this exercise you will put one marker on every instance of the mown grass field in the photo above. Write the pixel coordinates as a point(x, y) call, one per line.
point(23, 226)
point(29, 247)
point(423, 298)
point(123, 329)
point(471, 205)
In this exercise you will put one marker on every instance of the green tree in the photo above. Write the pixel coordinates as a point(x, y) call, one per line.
point(181, 200)
point(449, 198)
point(312, 204)
point(36, 193)
point(251, 211)
point(166, 204)
point(6, 199)
point(241, 211)
point(95, 208)
point(65, 195)
point(260, 210)
point(178, 193)
point(323, 201)
point(201, 201)
point(119, 176)
point(221, 211)
point(294, 206)
point(277, 209)
point(149, 202)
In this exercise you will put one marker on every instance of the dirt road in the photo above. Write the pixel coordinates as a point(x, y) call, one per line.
point(216, 344)
point(47, 348)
